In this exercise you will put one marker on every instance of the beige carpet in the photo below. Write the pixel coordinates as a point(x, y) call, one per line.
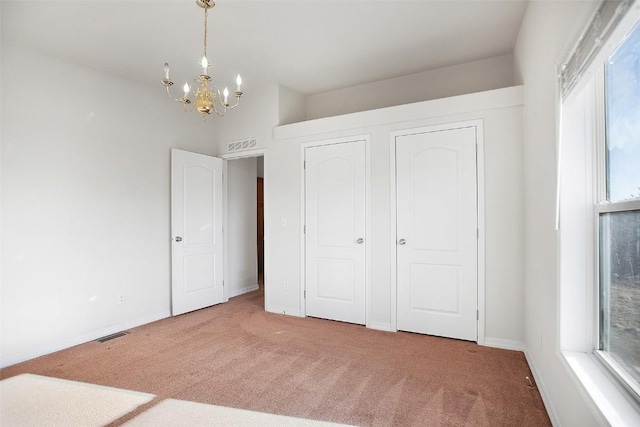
point(179, 413)
point(33, 400)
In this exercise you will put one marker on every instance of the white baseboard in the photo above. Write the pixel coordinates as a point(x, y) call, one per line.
point(281, 310)
point(504, 344)
point(380, 326)
point(247, 289)
point(546, 400)
point(81, 339)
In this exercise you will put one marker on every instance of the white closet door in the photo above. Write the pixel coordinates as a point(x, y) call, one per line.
point(196, 227)
point(335, 227)
point(437, 233)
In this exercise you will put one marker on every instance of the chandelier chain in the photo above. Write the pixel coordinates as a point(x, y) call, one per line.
point(206, 10)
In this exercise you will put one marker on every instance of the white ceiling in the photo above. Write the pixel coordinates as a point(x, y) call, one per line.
point(310, 46)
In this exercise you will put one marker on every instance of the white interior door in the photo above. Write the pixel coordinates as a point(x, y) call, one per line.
point(335, 231)
point(196, 228)
point(437, 233)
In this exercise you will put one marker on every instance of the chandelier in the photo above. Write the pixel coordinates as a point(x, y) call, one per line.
point(207, 97)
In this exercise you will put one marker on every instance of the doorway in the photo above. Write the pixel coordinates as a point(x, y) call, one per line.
point(244, 236)
point(260, 219)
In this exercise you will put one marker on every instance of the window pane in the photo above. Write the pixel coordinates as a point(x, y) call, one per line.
point(620, 289)
point(623, 120)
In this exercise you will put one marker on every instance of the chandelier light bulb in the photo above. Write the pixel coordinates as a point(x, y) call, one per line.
point(187, 89)
point(166, 70)
point(205, 64)
point(226, 94)
point(238, 83)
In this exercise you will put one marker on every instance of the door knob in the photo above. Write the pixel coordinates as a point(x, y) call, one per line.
point(178, 239)
point(360, 241)
point(402, 242)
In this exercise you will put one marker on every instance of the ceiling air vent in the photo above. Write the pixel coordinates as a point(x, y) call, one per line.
point(244, 144)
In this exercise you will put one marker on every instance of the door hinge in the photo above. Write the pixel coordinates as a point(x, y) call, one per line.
point(477, 234)
point(304, 164)
point(304, 293)
point(223, 283)
point(477, 314)
point(304, 229)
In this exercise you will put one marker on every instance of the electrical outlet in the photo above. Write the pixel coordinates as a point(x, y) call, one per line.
point(121, 298)
point(285, 286)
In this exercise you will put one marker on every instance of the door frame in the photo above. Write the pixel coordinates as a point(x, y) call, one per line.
point(367, 219)
point(258, 152)
point(479, 125)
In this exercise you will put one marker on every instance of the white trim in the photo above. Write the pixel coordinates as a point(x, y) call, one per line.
point(343, 140)
point(481, 231)
point(285, 311)
point(81, 339)
point(504, 344)
point(480, 194)
point(603, 395)
point(242, 154)
point(626, 205)
point(244, 290)
point(381, 326)
point(303, 215)
point(368, 234)
point(225, 227)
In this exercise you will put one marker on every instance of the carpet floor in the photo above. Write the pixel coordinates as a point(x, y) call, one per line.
point(237, 355)
point(33, 400)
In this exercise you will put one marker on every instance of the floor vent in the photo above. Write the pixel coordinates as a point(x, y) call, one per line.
point(112, 336)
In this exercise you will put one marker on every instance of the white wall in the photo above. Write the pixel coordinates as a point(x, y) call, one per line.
point(548, 29)
point(242, 228)
point(85, 201)
point(255, 117)
point(477, 76)
point(501, 111)
point(292, 106)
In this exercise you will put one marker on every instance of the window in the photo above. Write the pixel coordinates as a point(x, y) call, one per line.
point(618, 216)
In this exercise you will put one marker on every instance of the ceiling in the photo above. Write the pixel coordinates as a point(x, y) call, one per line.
point(311, 46)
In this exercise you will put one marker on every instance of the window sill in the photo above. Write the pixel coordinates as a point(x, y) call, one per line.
point(606, 396)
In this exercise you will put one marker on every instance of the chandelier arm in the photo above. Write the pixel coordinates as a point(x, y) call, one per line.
point(231, 107)
point(219, 102)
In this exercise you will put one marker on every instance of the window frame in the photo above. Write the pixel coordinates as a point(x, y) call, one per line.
point(604, 206)
point(578, 133)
